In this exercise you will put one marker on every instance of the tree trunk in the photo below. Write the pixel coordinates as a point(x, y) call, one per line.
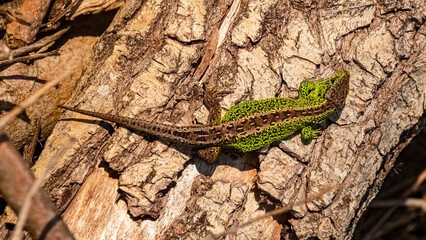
point(117, 184)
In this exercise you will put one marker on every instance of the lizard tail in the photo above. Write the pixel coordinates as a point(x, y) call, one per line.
point(163, 131)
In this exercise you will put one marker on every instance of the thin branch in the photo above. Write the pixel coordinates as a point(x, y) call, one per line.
point(408, 202)
point(30, 148)
point(66, 11)
point(34, 56)
point(15, 182)
point(30, 100)
point(25, 209)
point(35, 46)
point(395, 223)
point(420, 179)
point(13, 15)
point(234, 229)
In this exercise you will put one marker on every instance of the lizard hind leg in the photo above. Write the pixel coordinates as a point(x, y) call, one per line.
point(211, 102)
point(309, 133)
point(209, 154)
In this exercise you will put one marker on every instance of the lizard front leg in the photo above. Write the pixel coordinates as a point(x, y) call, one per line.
point(309, 132)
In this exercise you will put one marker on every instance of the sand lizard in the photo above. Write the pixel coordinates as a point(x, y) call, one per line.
point(251, 125)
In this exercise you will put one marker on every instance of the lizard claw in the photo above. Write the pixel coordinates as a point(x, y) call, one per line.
point(308, 133)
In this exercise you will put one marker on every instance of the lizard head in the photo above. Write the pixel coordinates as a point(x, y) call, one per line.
point(336, 95)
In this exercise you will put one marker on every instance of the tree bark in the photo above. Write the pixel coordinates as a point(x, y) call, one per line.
point(117, 184)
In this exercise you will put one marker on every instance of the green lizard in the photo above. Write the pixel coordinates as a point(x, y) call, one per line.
point(250, 125)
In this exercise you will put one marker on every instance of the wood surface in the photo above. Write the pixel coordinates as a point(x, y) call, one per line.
point(116, 184)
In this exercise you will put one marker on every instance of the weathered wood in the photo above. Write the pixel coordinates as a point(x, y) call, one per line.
point(121, 184)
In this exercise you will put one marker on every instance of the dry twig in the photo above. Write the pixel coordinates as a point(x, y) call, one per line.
point(35, 46)
point(34, 56)
point(43, 221)
point(372, 233)
point(25, 208)
point(279, 211)
point(30, 148)
point(30, 100)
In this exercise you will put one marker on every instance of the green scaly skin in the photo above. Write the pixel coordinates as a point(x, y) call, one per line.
point(311, 94)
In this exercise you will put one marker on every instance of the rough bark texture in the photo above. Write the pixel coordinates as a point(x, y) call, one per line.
point(114, 183)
